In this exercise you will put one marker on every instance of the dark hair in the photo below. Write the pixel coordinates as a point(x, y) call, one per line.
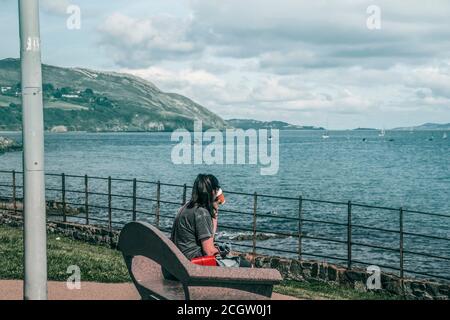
point(203, 192)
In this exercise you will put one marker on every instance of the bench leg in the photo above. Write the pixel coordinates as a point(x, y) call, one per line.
point(187, 295)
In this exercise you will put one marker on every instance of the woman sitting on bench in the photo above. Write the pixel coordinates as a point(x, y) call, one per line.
point(196, 223)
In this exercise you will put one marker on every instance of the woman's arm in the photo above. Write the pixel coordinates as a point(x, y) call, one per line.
point(208, 247)
point(216, 211)
point(214, 225)
point(206, 225)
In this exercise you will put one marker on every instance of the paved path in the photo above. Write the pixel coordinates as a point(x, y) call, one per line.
point(12, 290)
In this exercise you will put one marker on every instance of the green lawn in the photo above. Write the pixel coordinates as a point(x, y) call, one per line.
point(102, 264)
point(326, 291)
point(97, 263)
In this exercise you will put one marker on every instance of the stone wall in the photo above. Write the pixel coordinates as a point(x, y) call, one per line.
point(355, 278)
point(88, 233)
point(291, 269)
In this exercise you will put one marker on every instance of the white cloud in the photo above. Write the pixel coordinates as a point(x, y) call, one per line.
point(143, 42)
point(435, 79)
point(179, 78)
point(58, 7)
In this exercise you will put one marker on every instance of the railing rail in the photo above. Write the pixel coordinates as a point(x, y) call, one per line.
point(301, 248)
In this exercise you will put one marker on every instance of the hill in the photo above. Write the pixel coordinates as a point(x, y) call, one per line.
point(87, 100)
point(427, 126)
point(364, 129)
point(256, 124)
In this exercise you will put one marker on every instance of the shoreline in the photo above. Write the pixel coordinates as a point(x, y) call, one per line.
point(223, 130)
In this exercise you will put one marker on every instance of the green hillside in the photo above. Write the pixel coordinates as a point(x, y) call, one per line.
point(87, 100)
point(256, 124)
point(426, 127)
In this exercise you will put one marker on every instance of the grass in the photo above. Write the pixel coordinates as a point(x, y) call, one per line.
point(319, 290)
point(102, 264)
point(97, 263)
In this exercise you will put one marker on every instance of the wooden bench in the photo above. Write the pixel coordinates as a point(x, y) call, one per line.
point(146, 249)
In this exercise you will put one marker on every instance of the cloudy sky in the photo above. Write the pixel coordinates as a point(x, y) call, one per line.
point(305, 62)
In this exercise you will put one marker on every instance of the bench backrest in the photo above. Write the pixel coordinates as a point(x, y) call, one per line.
point(143, 239)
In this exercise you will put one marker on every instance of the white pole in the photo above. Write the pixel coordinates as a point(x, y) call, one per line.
point(35, 236)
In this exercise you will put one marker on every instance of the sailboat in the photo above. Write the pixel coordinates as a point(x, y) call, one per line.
point(382, 133)
point(444, 136)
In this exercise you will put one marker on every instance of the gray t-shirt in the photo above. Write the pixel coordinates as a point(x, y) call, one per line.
point(191, 226)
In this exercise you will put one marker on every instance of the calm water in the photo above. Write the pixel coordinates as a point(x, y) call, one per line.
point(410, 171)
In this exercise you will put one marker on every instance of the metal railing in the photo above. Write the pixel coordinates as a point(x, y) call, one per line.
point(412, 253)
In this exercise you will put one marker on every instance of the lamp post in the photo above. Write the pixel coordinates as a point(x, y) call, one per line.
point(35, 235)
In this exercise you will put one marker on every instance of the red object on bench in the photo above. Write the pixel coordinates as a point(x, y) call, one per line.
point(209, 261)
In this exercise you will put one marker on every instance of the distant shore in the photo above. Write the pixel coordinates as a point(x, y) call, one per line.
point(169, 131)
point(161, 131)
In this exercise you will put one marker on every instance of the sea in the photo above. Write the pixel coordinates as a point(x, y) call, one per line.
point(402, 173)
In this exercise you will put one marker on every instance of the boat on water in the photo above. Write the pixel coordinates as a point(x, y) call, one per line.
point(444, 136)
point(382, 133)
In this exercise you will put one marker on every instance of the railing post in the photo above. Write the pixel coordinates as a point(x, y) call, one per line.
point(158, 203)
point(109, 205)
point(401, 245)
point(349, 235)
point(300, 204)
point(14, 192)
point(184, 193)
point(255, 205)
point(86, 197)
point(134, 198)
point(63, 195)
